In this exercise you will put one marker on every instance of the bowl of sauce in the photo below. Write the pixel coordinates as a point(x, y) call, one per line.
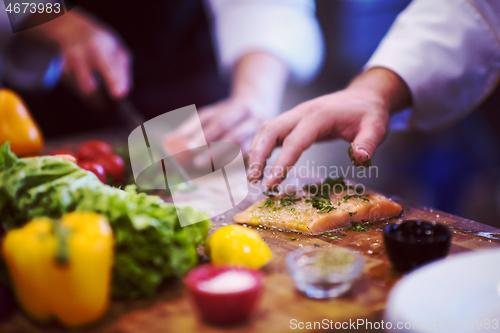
point(412, 244)
point(224, 295)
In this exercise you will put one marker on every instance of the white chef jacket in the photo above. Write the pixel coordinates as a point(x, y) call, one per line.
point(448, 53)
point(286, 28)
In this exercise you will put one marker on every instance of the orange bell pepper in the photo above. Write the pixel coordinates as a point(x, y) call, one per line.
point(17, 125)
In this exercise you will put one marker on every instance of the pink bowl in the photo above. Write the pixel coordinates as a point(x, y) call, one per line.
point(223, 308)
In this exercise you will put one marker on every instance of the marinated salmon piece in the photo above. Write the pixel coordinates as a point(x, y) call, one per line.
point(308, 214)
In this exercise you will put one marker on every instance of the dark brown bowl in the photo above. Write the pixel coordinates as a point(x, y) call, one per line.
point(412, 244)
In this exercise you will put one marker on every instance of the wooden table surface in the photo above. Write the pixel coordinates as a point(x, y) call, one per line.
point(171, 311)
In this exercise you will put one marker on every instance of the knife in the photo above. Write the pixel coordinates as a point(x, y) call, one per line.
point(132, 118)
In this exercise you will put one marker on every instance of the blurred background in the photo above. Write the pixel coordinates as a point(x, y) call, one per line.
point(455, 170)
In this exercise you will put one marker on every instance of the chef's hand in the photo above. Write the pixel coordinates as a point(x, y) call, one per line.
point(232, 120)
point(92, 53)
point(258, 83)
point(358, 114)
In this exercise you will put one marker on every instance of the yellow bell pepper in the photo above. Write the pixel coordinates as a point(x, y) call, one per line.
point(237, 245)
point(17, 125)
point(62, 268)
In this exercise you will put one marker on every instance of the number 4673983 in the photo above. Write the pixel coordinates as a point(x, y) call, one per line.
point(28, 7)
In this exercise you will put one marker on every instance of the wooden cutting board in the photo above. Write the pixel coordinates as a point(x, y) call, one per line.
point(171, 311)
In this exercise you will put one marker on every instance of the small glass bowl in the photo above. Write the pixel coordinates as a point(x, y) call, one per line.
point(324, 272)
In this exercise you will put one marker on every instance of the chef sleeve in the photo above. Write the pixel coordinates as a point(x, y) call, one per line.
point(448, 53)
point(286, 28)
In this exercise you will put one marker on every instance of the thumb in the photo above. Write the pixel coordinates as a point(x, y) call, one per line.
point(370, 136)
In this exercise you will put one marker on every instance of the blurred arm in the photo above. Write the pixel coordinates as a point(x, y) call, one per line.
point(448, 54)
point(259, 79)
point(287, 29)
point(261, 43)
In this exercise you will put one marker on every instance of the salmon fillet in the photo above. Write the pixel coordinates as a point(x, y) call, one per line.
point(308, 214)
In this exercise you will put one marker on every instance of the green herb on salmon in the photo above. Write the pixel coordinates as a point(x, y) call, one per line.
point(355, 226)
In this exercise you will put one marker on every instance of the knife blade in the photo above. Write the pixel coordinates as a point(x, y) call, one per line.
point(132, 118)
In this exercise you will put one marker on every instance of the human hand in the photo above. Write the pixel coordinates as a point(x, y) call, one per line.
point(93, 55)
point(232, 120)
point(349, 115)
point(259, 79)
point(358, 114)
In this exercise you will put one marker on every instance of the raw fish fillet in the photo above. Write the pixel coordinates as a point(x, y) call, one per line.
point(299, 215)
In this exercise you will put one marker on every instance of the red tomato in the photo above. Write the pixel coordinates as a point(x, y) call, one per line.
point(91, 150)
point(113, 165)
point(94, 167)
